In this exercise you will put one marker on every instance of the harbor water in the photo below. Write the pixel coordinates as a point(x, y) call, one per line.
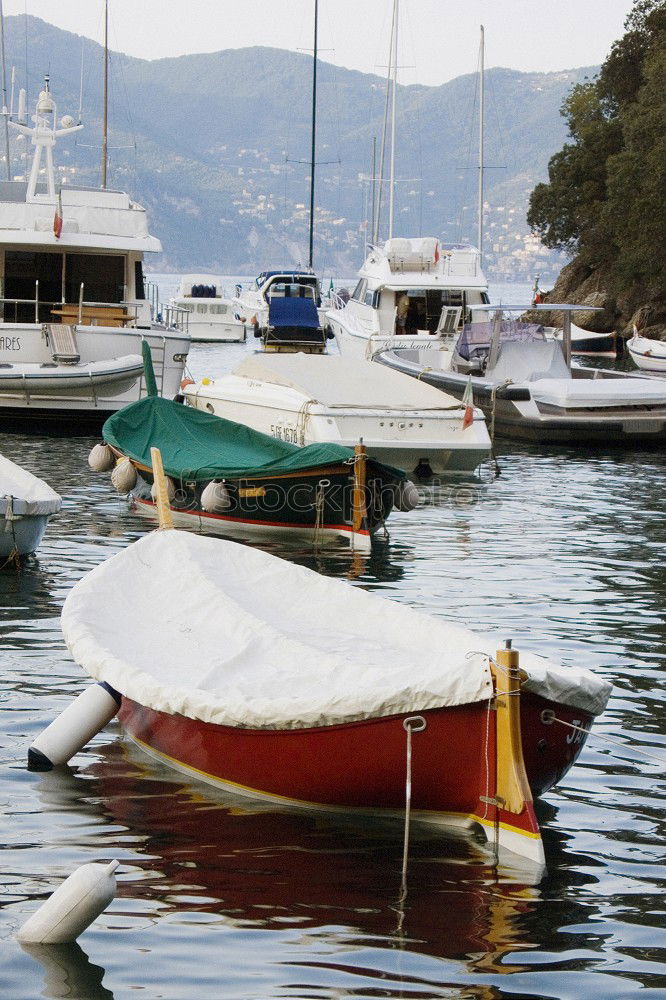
point(564, 554)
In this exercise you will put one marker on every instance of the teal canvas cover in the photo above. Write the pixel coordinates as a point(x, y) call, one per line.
point(198, 446)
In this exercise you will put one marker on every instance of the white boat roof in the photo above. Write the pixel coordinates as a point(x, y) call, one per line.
point(30, 495)
point(336, 381)
point(93, 219)
point(423, 263)
point(272, 645)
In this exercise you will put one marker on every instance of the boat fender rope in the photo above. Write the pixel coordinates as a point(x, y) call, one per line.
point(412, 724)
point(548, 717)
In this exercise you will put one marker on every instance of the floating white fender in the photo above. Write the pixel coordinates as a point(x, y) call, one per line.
point(171, 490)
point(406, 496)
point(123, 476)
point(74, 727)
point(101, 458)
point(215, 498)
point(72, 907)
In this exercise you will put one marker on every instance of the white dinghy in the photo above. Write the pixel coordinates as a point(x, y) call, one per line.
point(647, 354)
point(308, 399)
point(26, 504)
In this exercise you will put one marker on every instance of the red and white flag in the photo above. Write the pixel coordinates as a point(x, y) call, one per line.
point(468, 403)
point(57, 218)
point(436, 251)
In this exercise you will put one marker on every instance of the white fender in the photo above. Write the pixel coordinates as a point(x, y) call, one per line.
point(123, 476)
point(215, 498)
point(405, 496)
point(171, 490)
point(101, 458)
point(72, 907)
point(74, 727)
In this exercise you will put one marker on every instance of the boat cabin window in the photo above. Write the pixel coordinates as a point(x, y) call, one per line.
point(218, 310)
point(139, 286)
point(201, 307)
point(60, 277)
point(291, 290)
point(429, 310)
point(371, 298)
point(359, 292)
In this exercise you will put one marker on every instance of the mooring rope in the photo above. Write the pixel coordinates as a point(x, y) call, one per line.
point(548, 716)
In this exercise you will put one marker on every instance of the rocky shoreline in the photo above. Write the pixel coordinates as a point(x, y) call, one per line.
point(580, 283)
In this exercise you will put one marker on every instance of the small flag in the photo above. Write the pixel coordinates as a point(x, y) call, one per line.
point(468, 403)
point(436, 251)
point(57, 218)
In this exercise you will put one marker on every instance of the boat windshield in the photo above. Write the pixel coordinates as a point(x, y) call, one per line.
point(475, 339)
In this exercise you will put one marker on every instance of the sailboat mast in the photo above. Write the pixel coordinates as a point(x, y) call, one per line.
point(481, 138)
point(394, 69)
point(5, 110)
point(314, 136)
point(105, 123)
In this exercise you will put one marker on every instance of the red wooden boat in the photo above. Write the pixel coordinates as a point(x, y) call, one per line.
point(268, 679)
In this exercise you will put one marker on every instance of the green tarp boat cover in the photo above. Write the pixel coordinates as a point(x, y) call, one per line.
point(199, 446)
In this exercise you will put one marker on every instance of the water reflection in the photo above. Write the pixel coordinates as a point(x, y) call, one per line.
point(68, 972)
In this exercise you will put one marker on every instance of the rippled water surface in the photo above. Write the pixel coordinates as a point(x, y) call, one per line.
point(564, 552)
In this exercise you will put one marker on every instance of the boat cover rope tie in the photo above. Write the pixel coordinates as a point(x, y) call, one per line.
point(548, 717)
point(412, 724)
point(319, 508)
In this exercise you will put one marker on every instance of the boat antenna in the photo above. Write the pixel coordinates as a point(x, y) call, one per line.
point(394, 60)
point(81, 82)
point(105, 121)
point(5, 110)
point(375, 229)
point(374, 182)
point(481, 137)
point(314, 135)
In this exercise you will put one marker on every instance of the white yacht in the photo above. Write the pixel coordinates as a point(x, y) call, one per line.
point(73, 303)
point(308, 399)
point(212, 317)
point(253, 302)
point(411, 293)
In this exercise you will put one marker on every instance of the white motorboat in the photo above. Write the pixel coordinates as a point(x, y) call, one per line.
point(648, 354)
point(26, 504)
point(212, 317)
point(73, 303)
point(411, 294)
point(528, 389)
point(253, 302)
point(306, 399)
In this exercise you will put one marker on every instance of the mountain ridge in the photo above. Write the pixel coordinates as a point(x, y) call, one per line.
point(221, 140)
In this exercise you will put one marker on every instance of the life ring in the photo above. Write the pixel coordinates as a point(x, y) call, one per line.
point(185, 382)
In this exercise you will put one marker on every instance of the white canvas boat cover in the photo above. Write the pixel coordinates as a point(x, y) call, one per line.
point(598, 393)
point(30, 495)
point(336, 381)
point(227, 634)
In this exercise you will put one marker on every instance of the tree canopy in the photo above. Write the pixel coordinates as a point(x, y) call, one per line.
point(606, 196)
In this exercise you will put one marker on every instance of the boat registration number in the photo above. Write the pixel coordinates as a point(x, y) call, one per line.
point(643, 427)
point(282, 433)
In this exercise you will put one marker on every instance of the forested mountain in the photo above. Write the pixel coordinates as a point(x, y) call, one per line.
point(215, 146)
point(605, 199)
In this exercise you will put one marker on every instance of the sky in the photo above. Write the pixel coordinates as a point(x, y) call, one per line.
point(438, 39)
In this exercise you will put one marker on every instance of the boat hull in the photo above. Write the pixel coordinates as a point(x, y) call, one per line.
point(647, 360)
point(22, 534)
point(360, 767)
point(419, 442)
point(316, 507)
point(85, 404)
point(515, 415)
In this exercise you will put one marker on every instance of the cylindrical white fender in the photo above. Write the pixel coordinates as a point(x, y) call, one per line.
point(123, 476)
point(101, 458)
point(171, 490)
point(74, 727)
point(72, 907)
point(405, 496)
point(215, 498)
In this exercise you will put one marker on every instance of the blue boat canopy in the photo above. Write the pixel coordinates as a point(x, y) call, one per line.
point(293, 312)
